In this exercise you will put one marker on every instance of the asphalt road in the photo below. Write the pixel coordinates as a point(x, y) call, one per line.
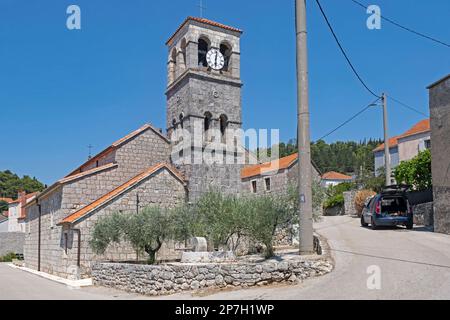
point(403, 264)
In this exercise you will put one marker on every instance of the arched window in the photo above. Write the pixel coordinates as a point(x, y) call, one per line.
point(225, 49)
point(203, 47)
point(223, 124)
point(172, 65)
point(183, 63)
point(181, 120)
point(207, 123)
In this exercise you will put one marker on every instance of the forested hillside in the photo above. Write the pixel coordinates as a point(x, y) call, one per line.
point(11, 183)
point(349, 157)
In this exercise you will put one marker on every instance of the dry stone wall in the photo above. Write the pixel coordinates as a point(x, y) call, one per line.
point(155, 280)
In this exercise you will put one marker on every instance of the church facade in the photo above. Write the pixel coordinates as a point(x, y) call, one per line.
point(148, 167)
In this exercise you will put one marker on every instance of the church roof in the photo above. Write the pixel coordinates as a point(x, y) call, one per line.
point(79, 173)
point(265, 168)
point(205, 21)
point(117, 144)
point(120, 190)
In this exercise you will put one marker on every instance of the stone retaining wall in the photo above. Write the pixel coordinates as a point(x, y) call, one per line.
point(349, 202)
point(423, 214)
point(157, 280)
point(11, 242)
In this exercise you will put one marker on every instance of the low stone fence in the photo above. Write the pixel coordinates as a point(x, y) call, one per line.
point(424, 215)
point(349, 202)
point(11, 242)
point(167, 279)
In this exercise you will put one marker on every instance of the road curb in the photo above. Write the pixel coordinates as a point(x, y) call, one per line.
point(73, 284)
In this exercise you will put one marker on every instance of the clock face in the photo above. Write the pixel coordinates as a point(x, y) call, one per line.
point(215, 59)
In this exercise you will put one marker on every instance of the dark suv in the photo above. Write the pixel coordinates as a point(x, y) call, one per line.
point(389, 208)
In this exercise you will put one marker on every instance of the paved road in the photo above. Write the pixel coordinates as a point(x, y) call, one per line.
point(413, 264)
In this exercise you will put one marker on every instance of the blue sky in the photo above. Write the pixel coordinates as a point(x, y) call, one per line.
point(62, 90)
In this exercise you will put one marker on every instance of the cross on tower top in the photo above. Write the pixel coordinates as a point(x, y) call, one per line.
point(90, 147)
point(201, 7)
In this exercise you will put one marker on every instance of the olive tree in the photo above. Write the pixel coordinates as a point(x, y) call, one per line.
point(145, 231)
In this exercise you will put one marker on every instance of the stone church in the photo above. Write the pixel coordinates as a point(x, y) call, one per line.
point(140, 169)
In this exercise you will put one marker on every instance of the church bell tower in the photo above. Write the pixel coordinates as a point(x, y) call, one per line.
point(203, 96)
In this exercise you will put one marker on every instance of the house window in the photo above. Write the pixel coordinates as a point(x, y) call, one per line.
point(66, 242)
point(268, 184)
point(428, 144)
point(254, 187)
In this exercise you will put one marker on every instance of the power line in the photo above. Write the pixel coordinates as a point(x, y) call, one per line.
point(408, 107)
point(351, 119)
point(343, 51)
point(403, 27)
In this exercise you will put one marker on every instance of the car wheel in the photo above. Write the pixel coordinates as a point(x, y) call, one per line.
point(363, 223)
point(373, 224)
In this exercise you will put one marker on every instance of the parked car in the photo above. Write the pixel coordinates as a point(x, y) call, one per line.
point(389, 208)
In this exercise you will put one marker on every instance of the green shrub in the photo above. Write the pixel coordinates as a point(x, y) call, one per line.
point(9, 257)
point(334, 201)
point(416, 172)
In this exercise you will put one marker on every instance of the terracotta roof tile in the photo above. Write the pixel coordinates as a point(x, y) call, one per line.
point(335, 176)
point(256, 170)
point(115, 145)
point(205, 21)
point(119, 190)
point(8, 200)
point(421, 127)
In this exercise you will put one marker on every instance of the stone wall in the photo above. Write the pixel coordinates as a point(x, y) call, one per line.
point(161, 189)
point(157, 280)
point(440, 148)
point(11, 242)
point(423, 214)
point(349, 202)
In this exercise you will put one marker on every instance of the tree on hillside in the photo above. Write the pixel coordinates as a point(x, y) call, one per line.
point(11, 184)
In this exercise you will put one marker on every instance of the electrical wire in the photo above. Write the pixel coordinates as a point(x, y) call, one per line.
point(408, 107)
point(403, 27)
point(350, 119)
point(343, 51)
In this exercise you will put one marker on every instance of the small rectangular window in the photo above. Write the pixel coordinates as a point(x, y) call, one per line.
point(268, 184)
point(66, 242)
point(428, 144)
point(254, 188)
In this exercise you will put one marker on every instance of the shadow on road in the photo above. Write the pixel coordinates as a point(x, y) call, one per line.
point(391, 258)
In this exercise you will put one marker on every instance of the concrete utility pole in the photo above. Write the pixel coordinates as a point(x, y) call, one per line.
point(306, 237)
point(387, 155)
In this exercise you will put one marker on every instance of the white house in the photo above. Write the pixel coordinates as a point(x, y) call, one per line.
point(16, 213)
point(331, 179)
point(406, 146)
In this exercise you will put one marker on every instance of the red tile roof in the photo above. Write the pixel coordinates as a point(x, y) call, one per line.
point(421, 127)
point(8, 200)
point(205, 21)
point(259, 169)
point(119, 190)
point(335, 176)
point(115, 145)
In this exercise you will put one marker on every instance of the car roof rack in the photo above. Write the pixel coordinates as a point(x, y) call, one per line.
point(398, 188)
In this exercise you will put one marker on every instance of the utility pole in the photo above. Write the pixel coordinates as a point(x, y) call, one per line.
point(306, 237)
point(387, 155)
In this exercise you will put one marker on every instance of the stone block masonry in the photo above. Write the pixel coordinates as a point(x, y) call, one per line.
point(155, 280)
point(11, 242)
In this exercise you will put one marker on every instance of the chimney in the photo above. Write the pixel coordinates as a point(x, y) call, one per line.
point(22, 197)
